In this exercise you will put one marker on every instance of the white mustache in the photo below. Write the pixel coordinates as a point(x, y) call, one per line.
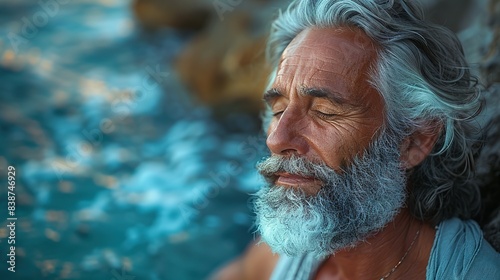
point(295, 165)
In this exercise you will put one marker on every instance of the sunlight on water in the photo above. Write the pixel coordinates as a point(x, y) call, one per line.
point(94, 117)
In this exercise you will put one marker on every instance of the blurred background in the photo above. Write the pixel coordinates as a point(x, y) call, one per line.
point(133, 127)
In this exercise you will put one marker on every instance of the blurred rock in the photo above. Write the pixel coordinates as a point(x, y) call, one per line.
point(454, 14)
point(481, 42)
point(225, 65)
point(488, 167)
point(491, 67)
point(180, 14)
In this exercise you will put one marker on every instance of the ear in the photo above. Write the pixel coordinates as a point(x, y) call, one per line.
point(416, 147)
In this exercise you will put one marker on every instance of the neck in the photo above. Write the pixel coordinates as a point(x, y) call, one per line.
point(382, 251)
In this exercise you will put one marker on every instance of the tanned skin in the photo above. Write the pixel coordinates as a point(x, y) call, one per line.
point(333, 125)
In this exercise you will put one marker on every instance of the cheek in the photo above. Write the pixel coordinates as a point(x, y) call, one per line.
point(332, 144)
point(338, 144)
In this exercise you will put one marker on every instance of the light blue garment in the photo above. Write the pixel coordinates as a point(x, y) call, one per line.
point(459, 252)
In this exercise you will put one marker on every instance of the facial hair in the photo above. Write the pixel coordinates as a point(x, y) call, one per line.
point(350, 206)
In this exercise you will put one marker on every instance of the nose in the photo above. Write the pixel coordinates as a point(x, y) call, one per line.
point(286, 134)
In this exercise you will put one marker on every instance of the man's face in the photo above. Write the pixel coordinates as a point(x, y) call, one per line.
point(333, 179)
point(324, 108)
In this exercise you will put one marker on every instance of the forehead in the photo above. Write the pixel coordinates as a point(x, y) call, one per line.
point(328, 57)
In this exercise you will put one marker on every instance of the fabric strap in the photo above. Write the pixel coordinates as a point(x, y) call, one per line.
point(460, 252)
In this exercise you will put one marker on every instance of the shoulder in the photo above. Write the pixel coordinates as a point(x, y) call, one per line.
point(256, 263)
point(486, 263)
point(259, 261)
point(461, 252)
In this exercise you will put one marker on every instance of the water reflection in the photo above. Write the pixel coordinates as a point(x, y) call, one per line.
point(119, 170)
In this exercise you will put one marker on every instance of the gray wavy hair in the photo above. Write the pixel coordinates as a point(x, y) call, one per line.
point(426, 83)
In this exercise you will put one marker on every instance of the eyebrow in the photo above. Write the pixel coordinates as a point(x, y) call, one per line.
point(335, 98)
point(274, 93)
point(271, 95)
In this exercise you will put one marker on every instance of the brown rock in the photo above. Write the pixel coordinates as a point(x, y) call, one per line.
point(225, 65)
point(179, 14)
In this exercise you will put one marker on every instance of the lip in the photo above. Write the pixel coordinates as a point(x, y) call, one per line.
point(293, 180)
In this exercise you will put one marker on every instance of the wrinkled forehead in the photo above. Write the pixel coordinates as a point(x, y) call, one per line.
point(347, 46)
point(338, 57)
point(348, 40)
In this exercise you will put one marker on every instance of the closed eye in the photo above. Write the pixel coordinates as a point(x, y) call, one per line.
point(325, 115)
point(277, 113)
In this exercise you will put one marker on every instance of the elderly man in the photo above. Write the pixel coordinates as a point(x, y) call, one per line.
point(370, 120)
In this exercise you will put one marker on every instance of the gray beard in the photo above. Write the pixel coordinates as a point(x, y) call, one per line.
point(349, 207)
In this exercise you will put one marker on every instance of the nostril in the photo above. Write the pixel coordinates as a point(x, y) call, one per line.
point(289, 152)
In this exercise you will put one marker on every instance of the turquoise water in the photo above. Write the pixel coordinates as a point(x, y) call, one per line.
point(120, 171)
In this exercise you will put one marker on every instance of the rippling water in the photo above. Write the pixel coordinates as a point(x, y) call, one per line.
point(119, 172)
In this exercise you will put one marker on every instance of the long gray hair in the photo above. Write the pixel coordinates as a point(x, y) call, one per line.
point(425, 81)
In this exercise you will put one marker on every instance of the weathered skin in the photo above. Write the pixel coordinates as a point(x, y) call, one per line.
point(334, 128)
point(326, 110)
